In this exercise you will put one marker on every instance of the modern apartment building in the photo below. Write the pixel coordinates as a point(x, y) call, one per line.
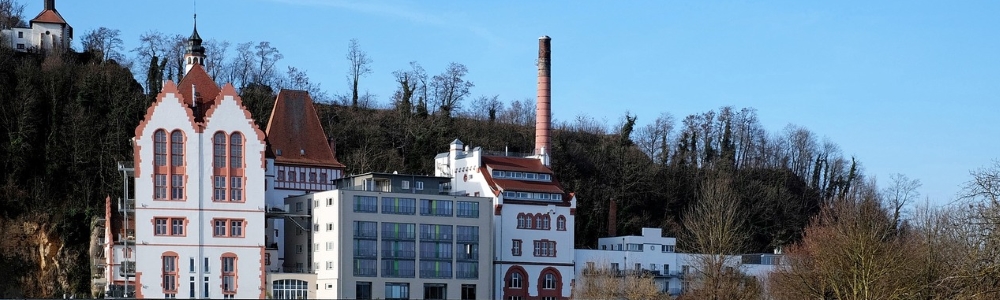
point(392, 236)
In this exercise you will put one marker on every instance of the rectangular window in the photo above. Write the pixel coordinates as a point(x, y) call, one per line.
point(469, 292)
point(219, 185)
point(530, 176)
point(291, 176)
point(220, 228)
point(435, 207)
point(436, 250)
point(468, 209)
point(191, 266)
point(398, 268)
point(298, 248)
point(435, 291)
point(176, 187)
point(399, 249)
point(397, 291)
point(363, 290)
point(281, 175)
point(468, 251)
point(467, 270)
point(399, 206)
point(329, 265)
point(435, 232)
point(367, 204)
point(365, 267)
point(160, 227)
point(322, 178)
point(312, 177)
point(236, 228)
point(329, 246)
point(20, 46)
point(405, 185)
point(160, 190)
point(176, 226)
point(205, 287)
point(418, 185)
point(399, 231)
point(207, 268)
point(236, 189)
point(545, 248)
point(191, 287)
point(435, 269)
point(468, 233)
point(667, 248)
point(365, 229)
point(516, 248)
point(20, 35)
point(329, 226)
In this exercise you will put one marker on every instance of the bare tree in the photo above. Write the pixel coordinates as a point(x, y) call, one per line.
point(450, 88)
point(901, 191)
point(601, 282)
point(266, 57)
point(104, 42)
point(241, 67)
point(215, 59)
point(360, 67)
point(11, 14)
point(654, 138)
point(152, 49)
point(519, 112)
point(484, 108)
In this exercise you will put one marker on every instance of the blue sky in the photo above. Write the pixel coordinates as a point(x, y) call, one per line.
point(905, 86)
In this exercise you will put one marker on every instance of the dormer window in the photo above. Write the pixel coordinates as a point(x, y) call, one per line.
point(529, 176)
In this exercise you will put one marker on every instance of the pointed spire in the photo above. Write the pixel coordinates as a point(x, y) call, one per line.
point(195, 54)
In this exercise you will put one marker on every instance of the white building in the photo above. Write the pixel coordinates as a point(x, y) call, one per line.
point(533, 216)
point(653, 254)
point(389, 236)
point(198, 224)
point(46, 31)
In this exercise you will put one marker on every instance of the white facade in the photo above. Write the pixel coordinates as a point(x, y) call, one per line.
point(219, 246)
point(46, 31)
point(388, 244)
point(524, 264)
point(654, 255)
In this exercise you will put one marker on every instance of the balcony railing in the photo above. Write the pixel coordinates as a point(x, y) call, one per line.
point(399, 254)
point(398, 235)
point(365, 272)
point(365, 253)
point(435, 273)
point(468, 237)
point(435, 237)
point(435, 255)
point(467, 256)
point(467, 274)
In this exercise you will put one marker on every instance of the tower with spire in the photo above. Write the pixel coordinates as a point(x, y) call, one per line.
point(195, 54)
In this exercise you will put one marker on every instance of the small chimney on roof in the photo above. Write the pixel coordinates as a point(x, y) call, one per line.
point(50, 4)
point(612, 217)
point(333, 146)
point(543, 110)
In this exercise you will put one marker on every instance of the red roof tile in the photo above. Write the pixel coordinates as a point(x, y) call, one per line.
point(204, 87)
point(49, 16)
point(520, 164)
point(294, 133)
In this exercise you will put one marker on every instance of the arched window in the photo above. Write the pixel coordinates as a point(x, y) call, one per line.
point(176, 148)
point(547, 224)
point(229, 273)
point(219, 150)
point(561, 223)
point(520, 220)
point(516, 280)
point(550, 281)
point(169, 273)
point(160, 147)
point(236, 162)
point(529, 221)
point(236, 150)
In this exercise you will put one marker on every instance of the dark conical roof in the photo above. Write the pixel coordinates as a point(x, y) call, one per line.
point(194, 42)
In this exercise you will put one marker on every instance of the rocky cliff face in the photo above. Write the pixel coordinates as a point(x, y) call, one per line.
point(36, 261)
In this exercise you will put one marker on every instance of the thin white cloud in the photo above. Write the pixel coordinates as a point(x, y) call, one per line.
point(400, 12)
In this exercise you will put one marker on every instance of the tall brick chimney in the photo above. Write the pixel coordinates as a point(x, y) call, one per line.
point(543, 109)
point(612, 218)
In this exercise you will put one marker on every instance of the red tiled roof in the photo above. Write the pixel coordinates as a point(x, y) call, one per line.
point(294, 133)
point(49, 16)
point(203, 85)
point(520, 164)
point(496, 185)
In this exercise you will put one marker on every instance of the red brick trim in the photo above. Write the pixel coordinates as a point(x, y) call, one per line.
point(523, 290)
point(557, 292)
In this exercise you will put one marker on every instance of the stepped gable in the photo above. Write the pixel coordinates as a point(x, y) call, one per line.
point(521, 164)
point(205, 89)
point(294, 133)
